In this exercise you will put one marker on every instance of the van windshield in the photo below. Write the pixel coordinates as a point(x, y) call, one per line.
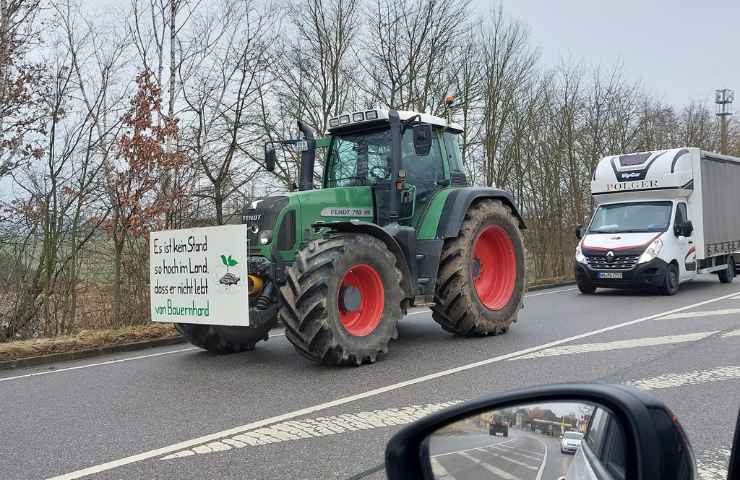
point(573, 435)
point(632, 217)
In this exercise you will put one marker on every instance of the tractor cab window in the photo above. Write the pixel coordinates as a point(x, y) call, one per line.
point(422, 171)
point(454, 157)
point(359, 159)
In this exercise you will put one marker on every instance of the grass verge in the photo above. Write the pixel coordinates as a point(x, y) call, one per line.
point(85, 340)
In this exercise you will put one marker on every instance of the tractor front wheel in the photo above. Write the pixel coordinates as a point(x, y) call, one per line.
point(223, 339)
point(342, 301)
point(480, 284)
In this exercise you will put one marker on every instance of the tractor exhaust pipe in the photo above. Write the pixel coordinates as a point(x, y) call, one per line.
point(395, 198)
point(308, 158)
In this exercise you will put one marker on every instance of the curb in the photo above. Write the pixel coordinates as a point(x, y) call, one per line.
point(144, 344)
point(90, 352)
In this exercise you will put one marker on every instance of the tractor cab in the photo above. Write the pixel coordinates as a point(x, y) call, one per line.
point(361, 154)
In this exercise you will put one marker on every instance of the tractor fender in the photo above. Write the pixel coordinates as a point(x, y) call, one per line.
point(459, 201)
point(356, 226)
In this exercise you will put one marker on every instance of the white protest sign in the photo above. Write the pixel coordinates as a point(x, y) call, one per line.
point(199, 275)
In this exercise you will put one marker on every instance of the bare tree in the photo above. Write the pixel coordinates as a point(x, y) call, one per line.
point(22, 82)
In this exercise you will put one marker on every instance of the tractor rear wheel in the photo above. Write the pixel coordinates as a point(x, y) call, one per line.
point(480, 285)
point(222, 339)
point(342, 301)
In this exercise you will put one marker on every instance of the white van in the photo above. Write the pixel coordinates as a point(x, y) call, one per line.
point(663, 217)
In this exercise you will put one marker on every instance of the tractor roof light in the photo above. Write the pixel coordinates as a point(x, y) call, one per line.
point(343, 119)
point(358, 117)
point(371, 115)
point(334, 122)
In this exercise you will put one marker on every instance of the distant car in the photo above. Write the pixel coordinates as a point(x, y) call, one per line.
point(498, 426)
point(570, 442)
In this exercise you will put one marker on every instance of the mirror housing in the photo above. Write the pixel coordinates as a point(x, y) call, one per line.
point(579, 232)
point(656, 446)
point(422, 139)
point(683, 229)
point(270, 157)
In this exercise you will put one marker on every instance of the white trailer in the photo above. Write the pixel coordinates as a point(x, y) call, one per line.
point(663, 217)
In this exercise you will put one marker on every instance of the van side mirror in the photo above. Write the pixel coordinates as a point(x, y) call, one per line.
point(683, 229)
point(422, 139)
point(270, 158)
point(579, 232)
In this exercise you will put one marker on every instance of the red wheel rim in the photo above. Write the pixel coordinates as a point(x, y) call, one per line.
point(494, 267)
point(361, 316)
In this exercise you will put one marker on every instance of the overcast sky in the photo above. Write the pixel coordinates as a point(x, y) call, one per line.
point(679, 49)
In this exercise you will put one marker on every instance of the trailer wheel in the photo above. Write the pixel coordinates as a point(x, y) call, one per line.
point(670, 282)
point(222, 339)
point(480, 285)
point(342, 301)
point(727, 276)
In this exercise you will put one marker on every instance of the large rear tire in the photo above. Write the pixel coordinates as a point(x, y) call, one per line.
point(222, 339)
point(480, 285)
point(342, 301)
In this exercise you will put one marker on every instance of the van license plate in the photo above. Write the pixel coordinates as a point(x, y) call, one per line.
point(610, 274)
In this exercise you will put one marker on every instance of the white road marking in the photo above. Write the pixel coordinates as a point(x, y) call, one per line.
point(544, 460)
point(508, 459)
point(672, 380)
point(530, 454)
point(733, 333)
point(439, 471)
point(616, 345)
point(113, 362)
point(490, 468)
point(166, 450)
point(713, 464)
point(317, 427)
point(99, 364)
point(472, 448)
point(550, 292)
point(709, 313)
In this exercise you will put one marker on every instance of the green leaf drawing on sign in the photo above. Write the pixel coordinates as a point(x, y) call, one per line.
point(232, 262)
point(224, 260)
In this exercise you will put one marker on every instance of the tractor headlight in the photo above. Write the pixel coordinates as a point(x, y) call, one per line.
point(651, 251)
point(265, 237)
point(580, 257)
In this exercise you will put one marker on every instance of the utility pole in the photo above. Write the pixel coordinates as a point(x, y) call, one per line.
point(723, 98)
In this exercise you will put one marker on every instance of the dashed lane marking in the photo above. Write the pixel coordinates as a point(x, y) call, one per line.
point(316, 427)
point(439, 471)
point(508, 459)
point(616, 345)
point(489, 467)
point(472, 448)
point(733, 333)
point(708, 313)
point(166, 450)
point(695, 377)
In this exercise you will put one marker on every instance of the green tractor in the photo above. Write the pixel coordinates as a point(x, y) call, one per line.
point(395, 225)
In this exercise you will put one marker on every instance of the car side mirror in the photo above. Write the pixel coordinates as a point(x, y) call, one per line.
point(270, 158)
point(460, 440)
point(579, 232)
point(683, 229)
point(422, 139)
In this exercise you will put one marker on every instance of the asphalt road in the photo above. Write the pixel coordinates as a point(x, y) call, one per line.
point(180, 413)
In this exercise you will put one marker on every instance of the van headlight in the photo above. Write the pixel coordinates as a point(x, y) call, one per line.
point(580, 257)
point(651, 251)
